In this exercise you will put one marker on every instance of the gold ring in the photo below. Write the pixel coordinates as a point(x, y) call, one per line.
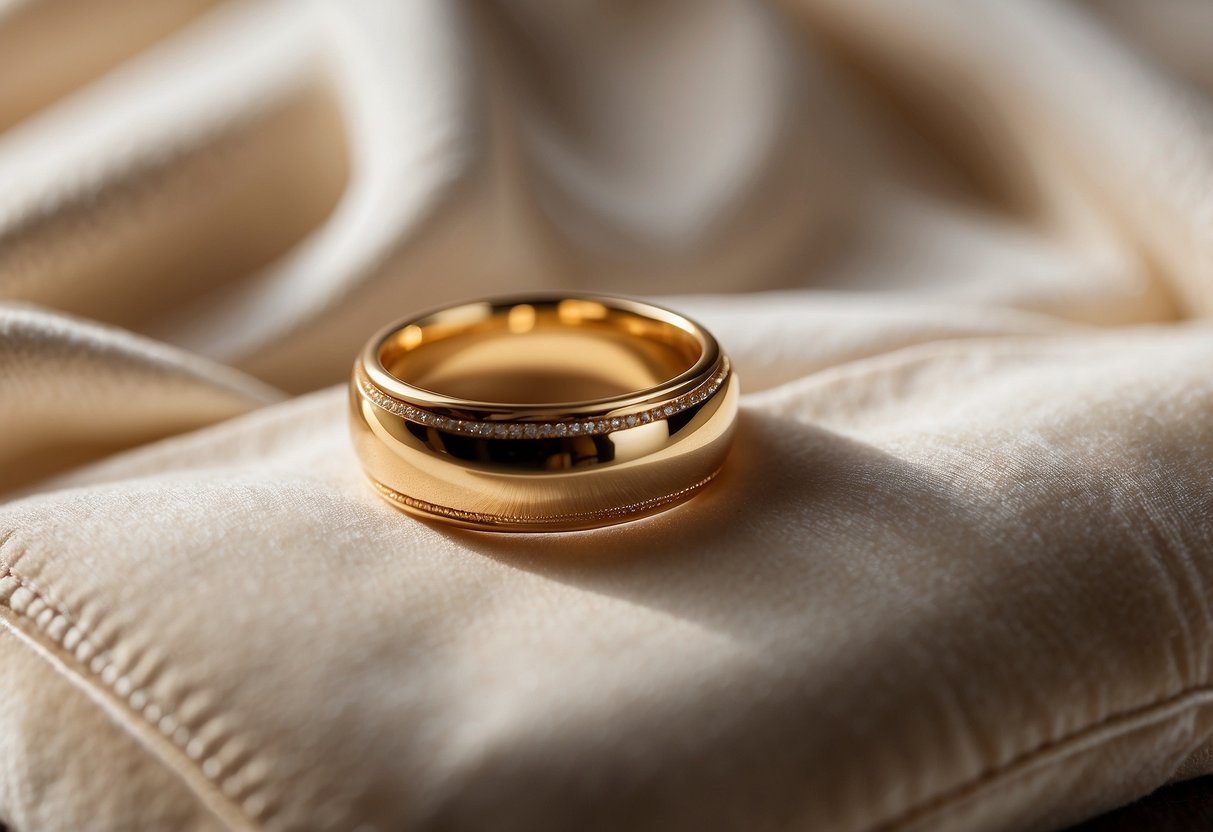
point(542, 413)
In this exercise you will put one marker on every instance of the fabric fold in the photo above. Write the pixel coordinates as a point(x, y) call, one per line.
point(74, 390)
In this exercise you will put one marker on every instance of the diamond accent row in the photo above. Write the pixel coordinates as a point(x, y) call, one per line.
point(550, 429)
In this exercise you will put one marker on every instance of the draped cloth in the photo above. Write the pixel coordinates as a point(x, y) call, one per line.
point(954, 576)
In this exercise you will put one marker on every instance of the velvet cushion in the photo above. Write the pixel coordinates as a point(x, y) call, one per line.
point(953, 577)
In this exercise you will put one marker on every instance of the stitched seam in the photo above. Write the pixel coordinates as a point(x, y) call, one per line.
point(18, 596)
point(1126, 719)
point(36, 586)
point(48, 617)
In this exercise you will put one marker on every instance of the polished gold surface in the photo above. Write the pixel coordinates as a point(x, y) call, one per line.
point(541, 413)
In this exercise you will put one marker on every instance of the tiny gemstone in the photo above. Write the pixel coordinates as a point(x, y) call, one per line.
point(602, 425)
point(562, 429)
point(669, 410)
point(545, 430)
point(440, 421)
point(515, 431)
point(575, 428)
point(422, 416)
point(457, 425)
point(499, 430)
point(588, 427)
point(632, 421)
point(616, 424)
point(410, 412)
point(530, 431)
point(646, 417)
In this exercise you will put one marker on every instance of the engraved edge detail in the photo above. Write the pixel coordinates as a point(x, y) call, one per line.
point(483, 519)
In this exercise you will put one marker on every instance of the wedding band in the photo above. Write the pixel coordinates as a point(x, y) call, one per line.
point(542, 413)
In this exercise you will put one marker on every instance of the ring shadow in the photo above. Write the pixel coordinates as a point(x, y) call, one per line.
point(792, 500)
point(869, 589)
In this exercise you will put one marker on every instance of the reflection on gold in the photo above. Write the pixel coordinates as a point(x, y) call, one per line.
point(521, 318)
point(640, 441)
point(573, 350)
point(578, 310)
point(410, 337)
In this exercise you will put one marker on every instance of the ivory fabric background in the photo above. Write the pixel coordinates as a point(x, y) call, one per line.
point(955, 576)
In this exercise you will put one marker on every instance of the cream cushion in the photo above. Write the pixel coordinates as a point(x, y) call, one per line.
point(954, 577)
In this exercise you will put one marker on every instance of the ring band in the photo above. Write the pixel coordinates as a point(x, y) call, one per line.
point(542, 413)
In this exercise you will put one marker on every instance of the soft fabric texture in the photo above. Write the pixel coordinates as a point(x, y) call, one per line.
point(955, 575)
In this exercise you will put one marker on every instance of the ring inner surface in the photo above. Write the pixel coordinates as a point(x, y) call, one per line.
point(534, 353)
